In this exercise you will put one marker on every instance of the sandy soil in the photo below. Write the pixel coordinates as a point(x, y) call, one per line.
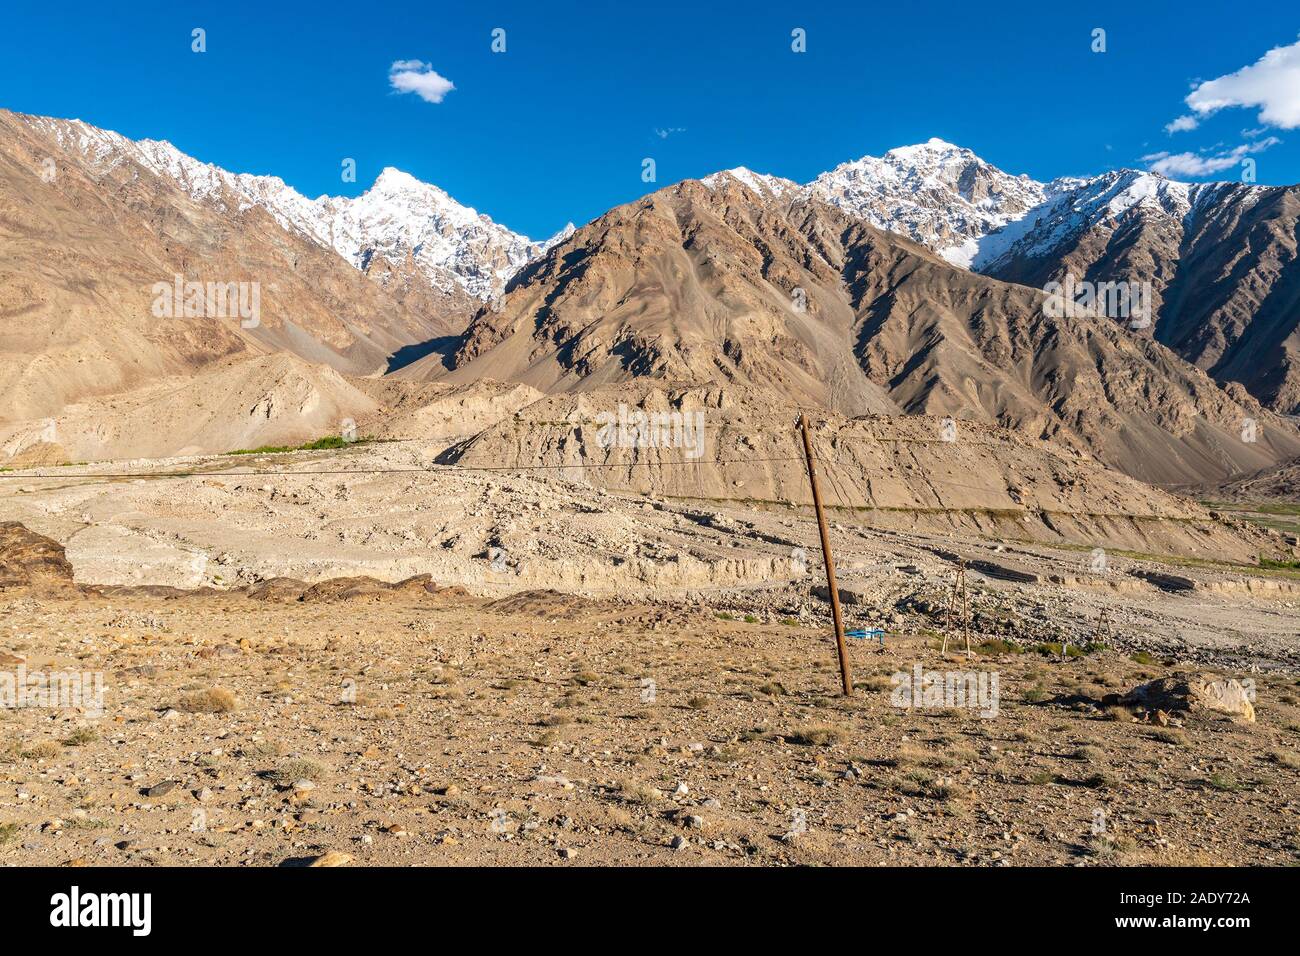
point(438, 728)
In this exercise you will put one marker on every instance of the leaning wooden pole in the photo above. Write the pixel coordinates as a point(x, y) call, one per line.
point(828, 559)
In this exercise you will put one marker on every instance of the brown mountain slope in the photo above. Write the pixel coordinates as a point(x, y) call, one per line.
point(221, 407)
point(439, 411)
point(905, 472)
point(1233, 306)
point(679, 285)
point(1220, 258)
point(949, 342)
point(706, 284)
point(248, 403)
point(1278, 484)
point(86, 234)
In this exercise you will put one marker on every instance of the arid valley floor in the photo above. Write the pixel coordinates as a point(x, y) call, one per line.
point(781, 462)
point(604, 678)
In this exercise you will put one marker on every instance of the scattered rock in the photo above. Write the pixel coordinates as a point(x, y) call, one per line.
point(1193, 692)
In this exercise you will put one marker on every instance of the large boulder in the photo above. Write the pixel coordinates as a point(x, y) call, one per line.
point(31, 561)
point(852, 593)
point(1194, 692)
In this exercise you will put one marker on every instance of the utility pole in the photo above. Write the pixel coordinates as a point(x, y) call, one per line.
point(1102, 636)
point(958, 591)
point(828, 559)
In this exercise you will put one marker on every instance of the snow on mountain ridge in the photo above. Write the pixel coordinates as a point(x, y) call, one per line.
point(399, 216)
point(940, 195)
point(975, 215)
point(761, 183)
point(1073, 205)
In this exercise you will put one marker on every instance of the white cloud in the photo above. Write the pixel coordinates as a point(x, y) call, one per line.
point(1196, 164)
point(1190, 164)
point(1272, 84)
point(1182, 124)
point(665, 133)
point(418, 77)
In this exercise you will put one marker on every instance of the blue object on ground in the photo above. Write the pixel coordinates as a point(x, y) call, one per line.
point(863, 633)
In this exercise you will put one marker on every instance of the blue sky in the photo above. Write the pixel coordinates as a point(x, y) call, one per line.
point(556, 128)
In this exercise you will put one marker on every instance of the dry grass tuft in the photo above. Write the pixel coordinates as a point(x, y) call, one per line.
point(1166, 736)
point(635, 792)
point(82, 735)
point(214, 700)
point(816, 735)
point(44, 750)
point(292, 771)
point(1285, 758)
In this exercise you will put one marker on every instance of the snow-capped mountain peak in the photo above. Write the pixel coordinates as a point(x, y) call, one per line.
point(401, 216)
point(391, 178)
point(932, 147)
point(937, 193)
point(940, 195)
point(762, 183)
point(396, 185)
point(976, 216)
point(398, 217)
